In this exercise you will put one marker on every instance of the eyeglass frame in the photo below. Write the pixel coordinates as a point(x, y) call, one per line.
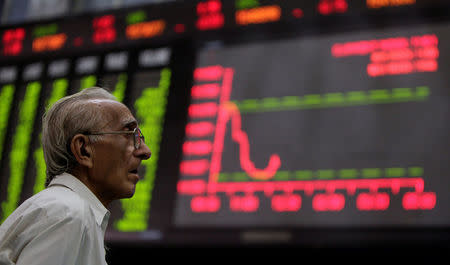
point(137, 134)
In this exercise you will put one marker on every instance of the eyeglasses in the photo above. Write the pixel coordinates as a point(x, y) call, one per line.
point(138, 136)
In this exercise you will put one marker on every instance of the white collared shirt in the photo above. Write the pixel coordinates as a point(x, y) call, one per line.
point(63, 224)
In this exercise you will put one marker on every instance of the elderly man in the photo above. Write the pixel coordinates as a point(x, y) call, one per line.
point(92, 148)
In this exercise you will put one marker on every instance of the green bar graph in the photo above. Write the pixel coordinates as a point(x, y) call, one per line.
point(59, 90)
point(20, 143)
point(88, 81)
point(121, 85)
point(150, 110)
point(6, 98)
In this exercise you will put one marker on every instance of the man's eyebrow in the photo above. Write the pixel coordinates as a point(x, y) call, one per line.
point(130, 124)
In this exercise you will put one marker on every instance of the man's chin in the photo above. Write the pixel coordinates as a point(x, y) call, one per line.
point(129, 193)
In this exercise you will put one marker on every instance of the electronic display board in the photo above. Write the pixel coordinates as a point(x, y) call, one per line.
point(261, 115)
point(343, 129)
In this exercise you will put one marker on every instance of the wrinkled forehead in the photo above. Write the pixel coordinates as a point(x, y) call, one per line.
point(115, 114)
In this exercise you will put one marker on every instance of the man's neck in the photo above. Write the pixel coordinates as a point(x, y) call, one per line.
point(83, 176)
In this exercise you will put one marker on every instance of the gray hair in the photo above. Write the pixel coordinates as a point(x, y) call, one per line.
point(67, 117)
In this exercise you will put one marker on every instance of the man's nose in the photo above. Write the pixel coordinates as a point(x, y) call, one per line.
point(144, 152)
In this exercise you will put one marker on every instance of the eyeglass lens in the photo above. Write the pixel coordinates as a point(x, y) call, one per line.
point(138, 137)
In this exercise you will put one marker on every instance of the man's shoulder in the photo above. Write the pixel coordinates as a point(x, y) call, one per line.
point(57, 203)
point(51, 208)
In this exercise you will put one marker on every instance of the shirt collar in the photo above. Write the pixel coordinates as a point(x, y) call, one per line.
point(73, 183)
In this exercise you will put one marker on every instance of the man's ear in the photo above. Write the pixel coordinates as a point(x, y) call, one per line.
point(82, 150)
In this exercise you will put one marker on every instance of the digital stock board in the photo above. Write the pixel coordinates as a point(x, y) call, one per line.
point(267, 120)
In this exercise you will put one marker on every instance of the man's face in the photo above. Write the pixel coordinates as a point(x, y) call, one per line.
point(115, 159)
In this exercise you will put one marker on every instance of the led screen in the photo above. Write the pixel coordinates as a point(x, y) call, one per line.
point(346, 129)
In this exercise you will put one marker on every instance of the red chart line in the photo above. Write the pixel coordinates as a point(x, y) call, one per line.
point(241, 138)
point(228, 111)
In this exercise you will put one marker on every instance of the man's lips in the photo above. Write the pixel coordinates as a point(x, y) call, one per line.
point(134, 173)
